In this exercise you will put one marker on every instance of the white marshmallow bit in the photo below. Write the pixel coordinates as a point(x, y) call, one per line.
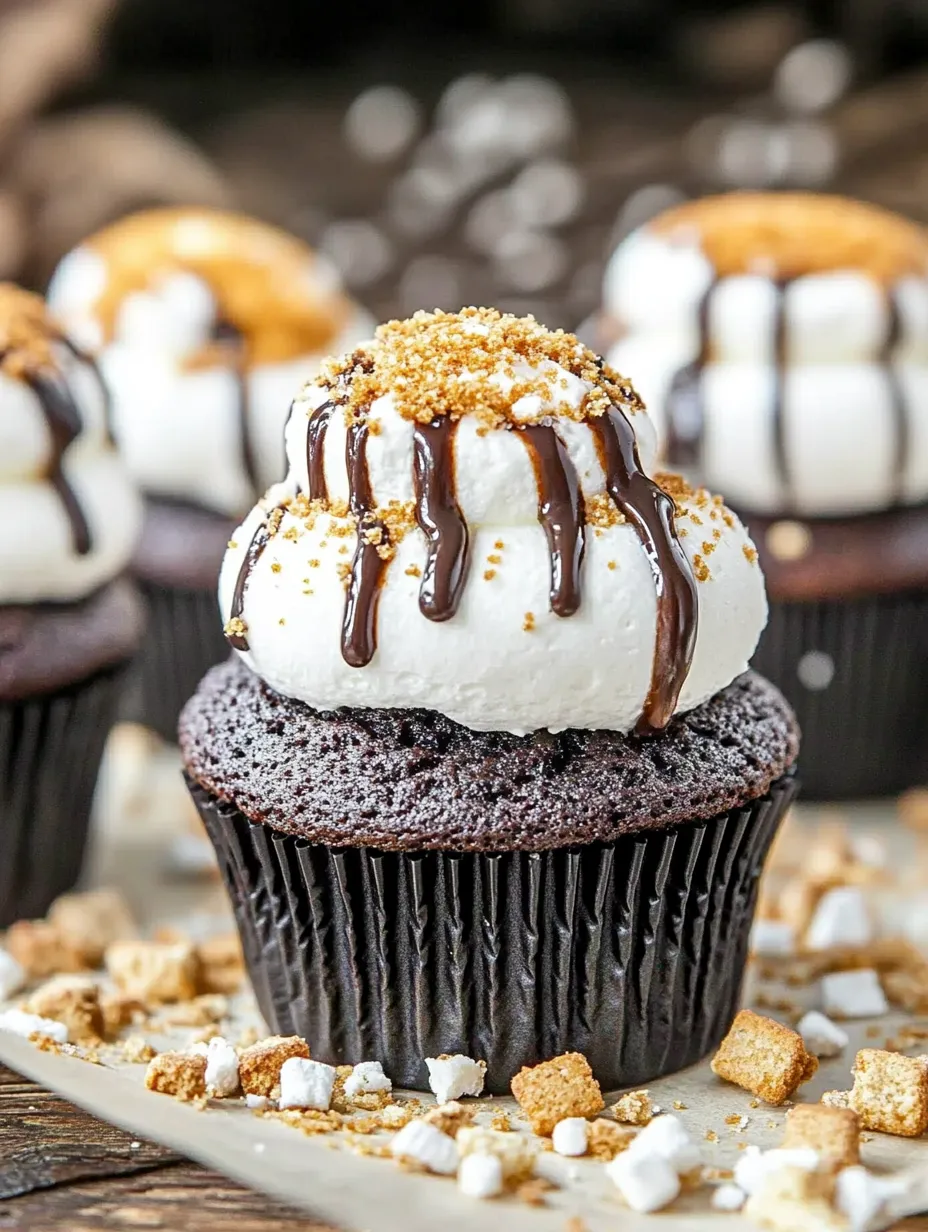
point(755, 1165)
point(480, 1176)
point(860, 1196)
point(571, 1136)
point(853, 994)
point(428, 1146)
point(772, 939)
point(306, 1084)
point(667, 1138)
point(646, 1182)
point(258, 1102)
point(20, 1023)
point(367, 1076)
point(12, 975)
point(821, 1036)
point(221, 1067)
point(841, 918)
point(452, 1077)
point(728, 1198)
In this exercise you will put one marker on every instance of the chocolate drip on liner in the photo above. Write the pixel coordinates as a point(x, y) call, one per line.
point(897, 398)
point(686, 412)
point(440, 519)
point(64, 424)
point(368, 568)
point(651, 513)
point(560, 512)
point(259, 541)
point(315, 450)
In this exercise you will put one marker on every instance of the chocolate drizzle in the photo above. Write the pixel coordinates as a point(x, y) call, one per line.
point(64, 425)
point(359, 625)
point(896, 395)
point(777, 415)
point(315, 451)
point(259, 541)
point(439, 518)
point(560, 512)
point(85, 357)
point(231, 341)
point(651, 513)
point(685, 402)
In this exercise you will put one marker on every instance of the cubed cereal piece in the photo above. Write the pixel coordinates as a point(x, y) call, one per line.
point(42, 950)
point(73, 1000)
point(260, 1064)
point(93, 920)
point(553, 1090)
point(451, 1077)
point(571, 1136)
point(763, 1057)
point(154, 972)
point(395, 1116)
point(516, 1152)
point(222, 964)
point(821, 1036)
point(833, 1132)
point(794, 1200)
point(119, 1011)
point(607, 1139)
point(646, 1182)
point(853, 994)
point(180, 1074)
point(366, 1078)
point(137, 1050)
point(12, 975)
point(907, 986)
point(306, 1084)
point(633, 1108)
point(450, 1117)
point(426, 1146)
point(836, 1099)
point(480, 1176)
point(222, 1078)
point(20, 1023)
point(890, 1093)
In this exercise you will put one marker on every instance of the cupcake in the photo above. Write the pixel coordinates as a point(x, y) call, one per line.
point(781, 344)
point(69, 621)
point(203, 323)
point(487, 773)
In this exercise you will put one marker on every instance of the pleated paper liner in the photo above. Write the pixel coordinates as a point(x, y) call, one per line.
point(631, 952)
point(856, 673)
point(183, 640)
point(50, 752)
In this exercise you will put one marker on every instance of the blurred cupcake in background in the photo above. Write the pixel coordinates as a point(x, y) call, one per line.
point(781, 345)
point(203, 322)
point(69, 621)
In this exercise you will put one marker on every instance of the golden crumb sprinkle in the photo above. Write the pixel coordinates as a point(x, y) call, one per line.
point(528, 624)
point(499, 545)
point(235, 627)
point(489, 575)
point(750, 553)
point(700, 569)
point(275, 567)
point(232, 545)
point(494, 559)
point(27, 332)
point(611, 564)
point(413, 571)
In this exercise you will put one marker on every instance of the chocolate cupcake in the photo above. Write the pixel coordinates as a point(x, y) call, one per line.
point(781, 344)
point(487, 774)
point(69, 624)
point(203, 323)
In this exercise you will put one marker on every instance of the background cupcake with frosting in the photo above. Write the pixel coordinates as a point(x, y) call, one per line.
point(487, 774)
point(203, 323)
point(781, 344)
point(69, 621)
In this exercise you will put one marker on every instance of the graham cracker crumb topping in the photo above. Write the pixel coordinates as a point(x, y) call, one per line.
point(27, 332)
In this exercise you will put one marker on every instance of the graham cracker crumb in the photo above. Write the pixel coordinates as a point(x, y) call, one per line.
point(41, 949)
point(259, 1064)
point(73, 1000)
point(553, 1090)
point(450, 1117)
point(633, 1108)
point(154, 972)
point(181, 1074)
point(528, 624)
point(222, 964)
point(763, 1057)
point(533, 1192)
point(136, 1050)
point(93, 920)
point(515, 1152)
point(890, 1092)
point(607, 1139)
point(833, 1132)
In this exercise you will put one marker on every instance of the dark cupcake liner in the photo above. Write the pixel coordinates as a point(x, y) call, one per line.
point(866, 732)
point(631, 952)
point(50, 752)
point(183, 640)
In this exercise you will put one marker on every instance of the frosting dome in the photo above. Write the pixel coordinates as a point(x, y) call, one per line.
point(781, 343)
point(69, 515)
point(468, 526)
point(203, 322)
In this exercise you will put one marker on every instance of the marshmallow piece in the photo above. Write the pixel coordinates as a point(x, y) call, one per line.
point(646, 1181)
point(452, 1077)
point(667, 1138)
point(258, 1102)
point(869, 849)
point(821, 1036)
point(199, 1049)
point(366, 1076)
point(306, 1084)
point(860, 1196)
point(841, 918)
point(728, 1198)
point(480, 1176)
point(221, 1068)
point(20, 1023)
point(854, 994)
point(772, 938)
point(12, 975)
point(571, 1136)
point(755, 1165)
point(428, 1146)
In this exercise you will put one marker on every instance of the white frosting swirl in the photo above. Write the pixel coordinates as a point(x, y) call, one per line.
point(504, 660)
point(848, 412)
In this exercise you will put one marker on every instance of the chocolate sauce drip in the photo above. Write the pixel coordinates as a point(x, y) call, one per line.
point(64, 424)
point(651, 513)
point(560, 511)
point(778, 417)
point(359, 626)
point(315, 451)
point(230, 339)
point(685, 406)
point(259, 541)
point(85, 357)
point(897, 398)
point(440, 519)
